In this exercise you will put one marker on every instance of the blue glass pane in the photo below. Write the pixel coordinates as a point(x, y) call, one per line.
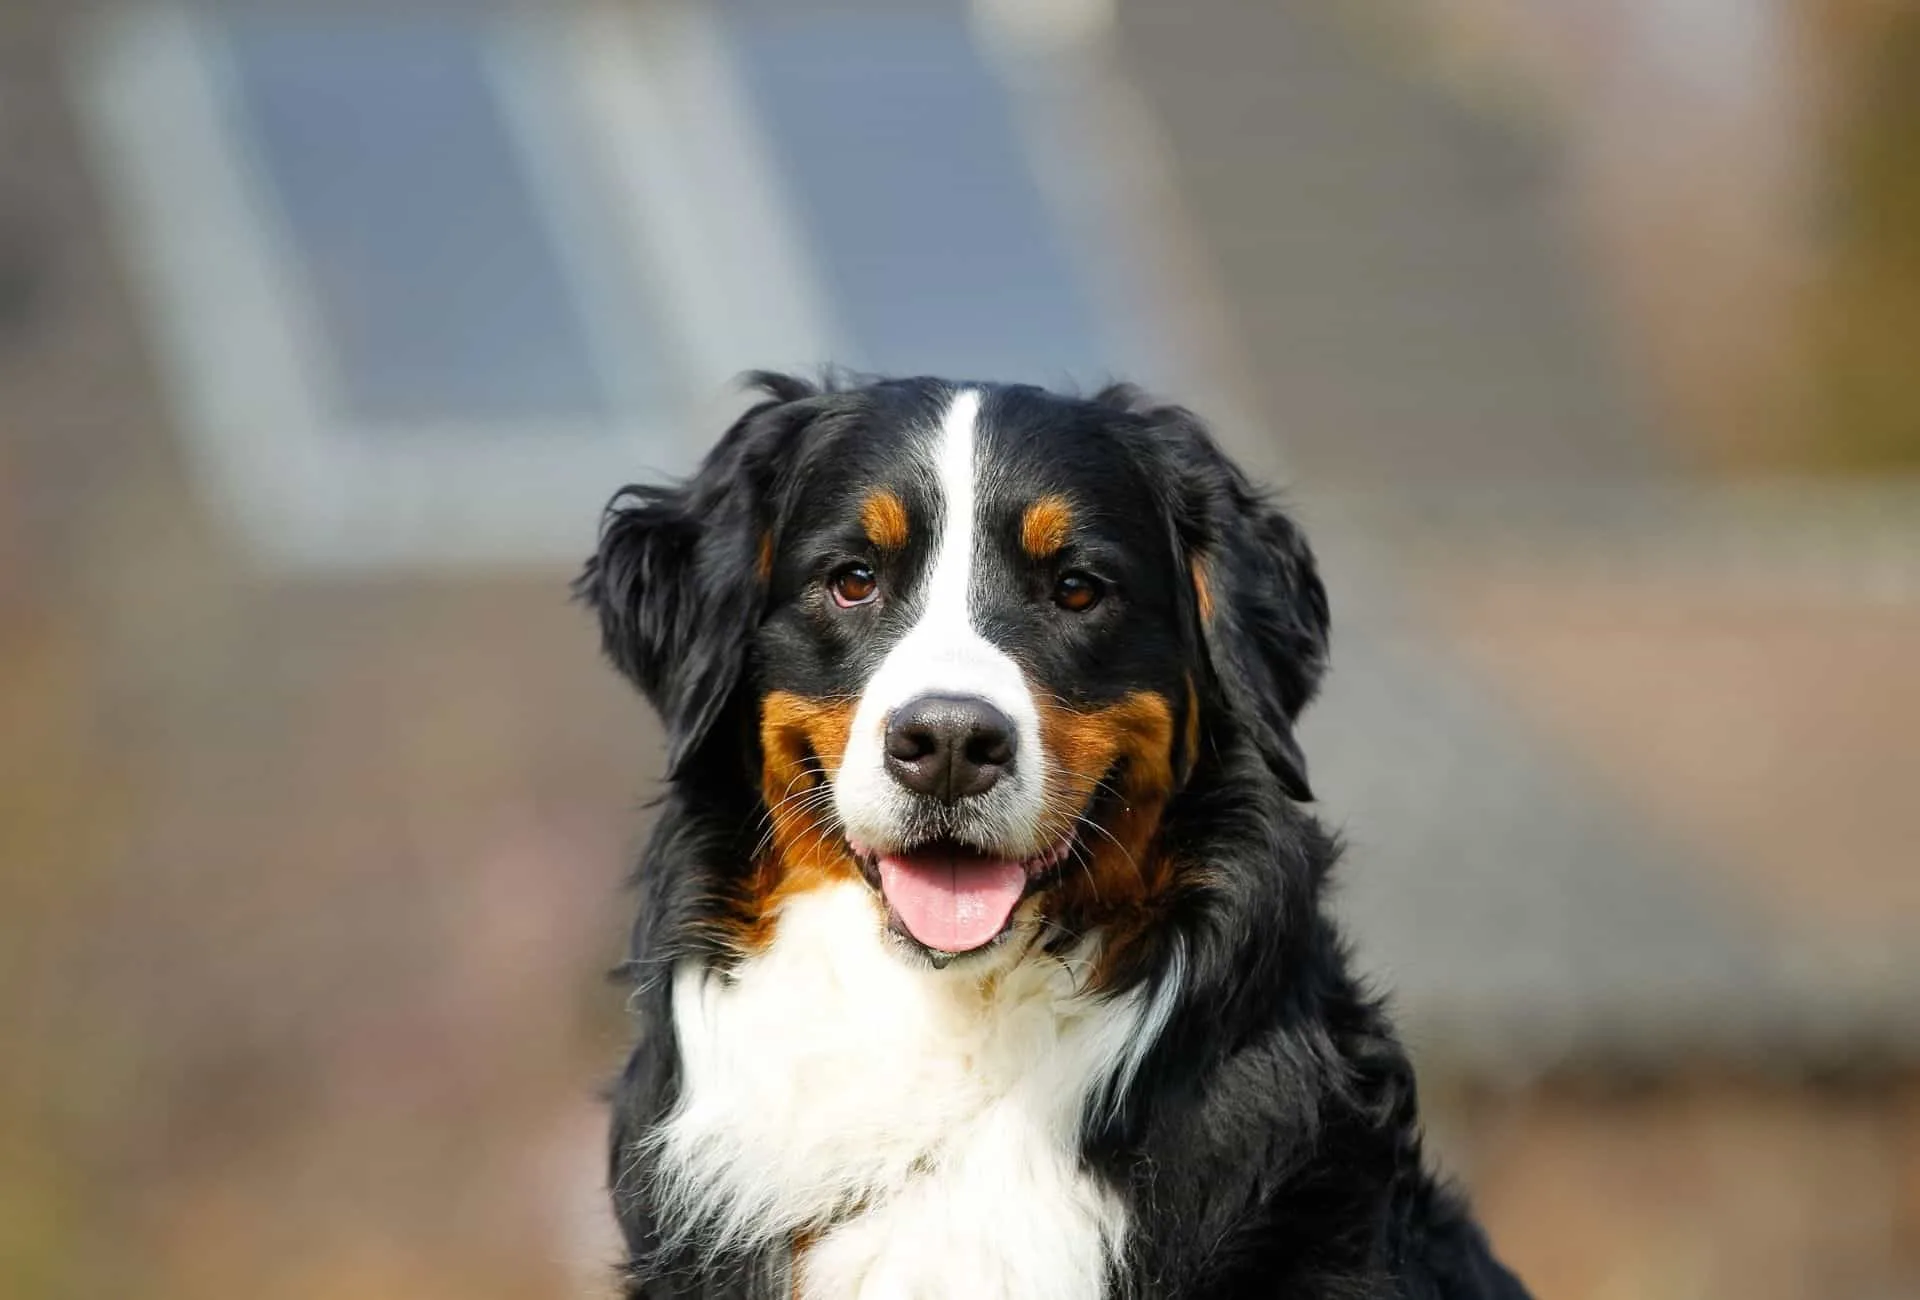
point(900, 148)
point(438, 290)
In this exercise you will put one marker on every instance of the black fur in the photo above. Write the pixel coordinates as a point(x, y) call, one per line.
point(1267, 641)
point(673, 580)
point(1269, 1146)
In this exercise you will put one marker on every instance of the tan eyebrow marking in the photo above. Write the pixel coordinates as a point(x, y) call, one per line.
point(884, 517)
point(1045, 527)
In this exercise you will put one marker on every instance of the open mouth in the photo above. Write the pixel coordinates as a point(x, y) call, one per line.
point(952, 898)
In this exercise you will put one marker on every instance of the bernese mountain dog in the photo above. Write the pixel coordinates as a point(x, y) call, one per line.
point(981, 948)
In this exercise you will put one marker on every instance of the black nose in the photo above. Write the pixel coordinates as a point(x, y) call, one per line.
point(949, 746)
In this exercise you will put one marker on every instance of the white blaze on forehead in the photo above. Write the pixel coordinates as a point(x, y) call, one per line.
point(950, 576)
point(943, 653)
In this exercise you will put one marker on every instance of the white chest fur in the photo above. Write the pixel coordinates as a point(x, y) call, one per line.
point(924, 1123)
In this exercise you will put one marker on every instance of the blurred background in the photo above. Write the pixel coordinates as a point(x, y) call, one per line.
point(1585, 336)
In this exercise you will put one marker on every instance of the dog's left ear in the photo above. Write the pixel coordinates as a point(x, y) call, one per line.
point(680, 577)
point(1265, 619)
point(1257, 596)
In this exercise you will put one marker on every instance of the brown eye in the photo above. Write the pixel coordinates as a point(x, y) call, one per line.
point(853, 585)
point(1077, 592)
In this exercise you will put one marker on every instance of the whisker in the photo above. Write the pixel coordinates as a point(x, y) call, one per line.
point(1125, 851)
point(1077, 852)
point(789, 808)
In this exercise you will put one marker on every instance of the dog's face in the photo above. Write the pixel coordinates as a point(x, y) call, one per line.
point(974, 639)
point(977, 642)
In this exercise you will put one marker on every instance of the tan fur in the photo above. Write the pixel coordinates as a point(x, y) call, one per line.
point(883, 516)
point(1117, 876)
point(802, 742)
point(1201, 590)
point(1045, 527)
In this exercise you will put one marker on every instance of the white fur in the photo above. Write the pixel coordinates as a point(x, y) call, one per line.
point(923, 1124)
point(944, 653)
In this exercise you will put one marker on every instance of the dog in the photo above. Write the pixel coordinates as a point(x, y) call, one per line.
point(981, 948)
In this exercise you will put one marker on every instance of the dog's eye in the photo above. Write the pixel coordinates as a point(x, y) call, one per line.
point(1077, 592)
point(853, 584)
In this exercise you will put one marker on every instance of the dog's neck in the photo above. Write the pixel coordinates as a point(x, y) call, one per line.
point(910, 1125)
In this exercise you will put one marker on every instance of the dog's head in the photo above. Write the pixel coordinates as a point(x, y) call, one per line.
point(970, 640)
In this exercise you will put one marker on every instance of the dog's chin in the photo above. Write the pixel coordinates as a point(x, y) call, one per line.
point(948, 902)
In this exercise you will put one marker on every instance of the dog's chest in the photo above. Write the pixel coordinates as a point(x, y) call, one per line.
point(917, 1130)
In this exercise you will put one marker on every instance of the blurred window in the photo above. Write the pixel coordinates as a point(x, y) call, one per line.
point(429, 281)
point(438, 290)
point(901, 148)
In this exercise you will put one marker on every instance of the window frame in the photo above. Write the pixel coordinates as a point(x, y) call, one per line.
point(704, 229)
point(312, 487)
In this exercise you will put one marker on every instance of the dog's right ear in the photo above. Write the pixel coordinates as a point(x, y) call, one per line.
point(680, 577)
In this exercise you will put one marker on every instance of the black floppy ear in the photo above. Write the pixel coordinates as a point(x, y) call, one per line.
point(1257, 595)
point(680, 578)
point(1264, 617)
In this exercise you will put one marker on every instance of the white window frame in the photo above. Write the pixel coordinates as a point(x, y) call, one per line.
point(702, 232)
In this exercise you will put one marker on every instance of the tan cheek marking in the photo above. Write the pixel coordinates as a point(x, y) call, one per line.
point(802, 742)
point(763, 563)
point(1045, 527)
point(883, 517)
point(791, 728)
point(1116, 878)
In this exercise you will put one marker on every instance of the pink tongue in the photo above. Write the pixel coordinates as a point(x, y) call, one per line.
point(953, 904)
